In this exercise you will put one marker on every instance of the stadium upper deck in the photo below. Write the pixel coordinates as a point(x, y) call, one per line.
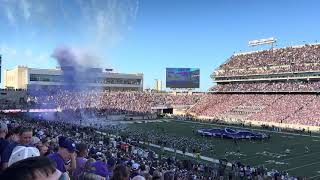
point(298, 59)
point(290, 69)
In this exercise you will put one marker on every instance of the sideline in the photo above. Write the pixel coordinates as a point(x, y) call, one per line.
point(313, 177)
point(186, 154)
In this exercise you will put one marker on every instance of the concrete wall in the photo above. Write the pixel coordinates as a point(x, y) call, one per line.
point(16, 78)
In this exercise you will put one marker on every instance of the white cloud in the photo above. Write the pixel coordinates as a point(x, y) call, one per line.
point(7, 51)
point(26, 6)
point(10, 16)
point(101, 20)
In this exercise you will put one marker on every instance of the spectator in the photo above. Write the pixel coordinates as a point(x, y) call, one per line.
point(66, 152)
point(21, 152)
point(13, 136)
point(90, 176)
point(34, 168)
point(35, 141)
point(99, 168)
point(135, 170)
point(138, 178)
point(111, 164)
point(25, 135)
point(82, 153)
point(3, 141)
point(43, 148)
point(121, 172)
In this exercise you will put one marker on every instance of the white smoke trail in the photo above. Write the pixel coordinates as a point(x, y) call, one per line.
point(88, 26)
point(100, 22)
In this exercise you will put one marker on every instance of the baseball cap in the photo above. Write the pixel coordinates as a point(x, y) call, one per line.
point(135, 166)
point(40, 133)
point(67, 143)
point(34, 140)
point(99, 168)
point(139, 177)
point(21, 152)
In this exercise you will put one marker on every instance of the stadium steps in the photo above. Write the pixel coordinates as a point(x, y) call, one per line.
point(196, 104)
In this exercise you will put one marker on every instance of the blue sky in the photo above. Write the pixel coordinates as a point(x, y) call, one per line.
point(149, 35)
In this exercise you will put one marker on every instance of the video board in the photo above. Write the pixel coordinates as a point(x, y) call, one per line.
point(182, 77)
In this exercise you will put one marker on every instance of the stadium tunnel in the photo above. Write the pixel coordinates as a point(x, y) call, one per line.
point(159, 110)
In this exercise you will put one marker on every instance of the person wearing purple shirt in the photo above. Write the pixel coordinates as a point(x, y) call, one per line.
point(82, 153)
point(66, 152)
point(111, 163)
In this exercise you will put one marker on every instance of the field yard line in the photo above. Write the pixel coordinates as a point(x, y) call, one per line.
point(300, 156)
point(187, 153)
point(303, 155)
point(251, 157)
point(313, 177)
point(298, 167)
point(263, 130)
point(296, 157)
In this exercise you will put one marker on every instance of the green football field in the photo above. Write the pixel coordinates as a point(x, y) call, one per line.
point(272, 153)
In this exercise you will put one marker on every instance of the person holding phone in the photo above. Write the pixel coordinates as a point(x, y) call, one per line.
point(65, 157)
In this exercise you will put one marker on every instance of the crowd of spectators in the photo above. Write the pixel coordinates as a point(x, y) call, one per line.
point(60, 149)
point(279, 108)
point(258, 107)
point(289, 59)
point(274, 86)
point(112, 102)
point(308, 115)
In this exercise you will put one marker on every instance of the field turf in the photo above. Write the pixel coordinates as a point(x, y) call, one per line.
point(269, 153)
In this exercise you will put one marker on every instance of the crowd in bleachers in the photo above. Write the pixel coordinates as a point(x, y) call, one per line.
point(112, 102)
point(38, 149)
point(279, 108)
point(267, 107)
point(289, 59)
point(274, 86)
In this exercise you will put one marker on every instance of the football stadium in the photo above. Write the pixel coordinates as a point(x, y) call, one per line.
point(71, 116)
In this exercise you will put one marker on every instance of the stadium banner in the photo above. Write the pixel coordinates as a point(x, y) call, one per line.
point(29, 110)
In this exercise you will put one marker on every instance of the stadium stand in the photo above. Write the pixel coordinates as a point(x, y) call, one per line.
point(112, 102)
point(275, 85)
point(303, 58)
point(256, 107)
point(289, 86)
point(290, 69)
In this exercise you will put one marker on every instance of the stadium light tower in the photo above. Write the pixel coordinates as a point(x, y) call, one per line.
point(258, 42)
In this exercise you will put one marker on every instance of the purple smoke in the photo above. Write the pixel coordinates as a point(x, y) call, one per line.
point(66, 57)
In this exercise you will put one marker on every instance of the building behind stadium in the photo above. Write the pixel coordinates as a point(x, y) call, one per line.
point(22, 77)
